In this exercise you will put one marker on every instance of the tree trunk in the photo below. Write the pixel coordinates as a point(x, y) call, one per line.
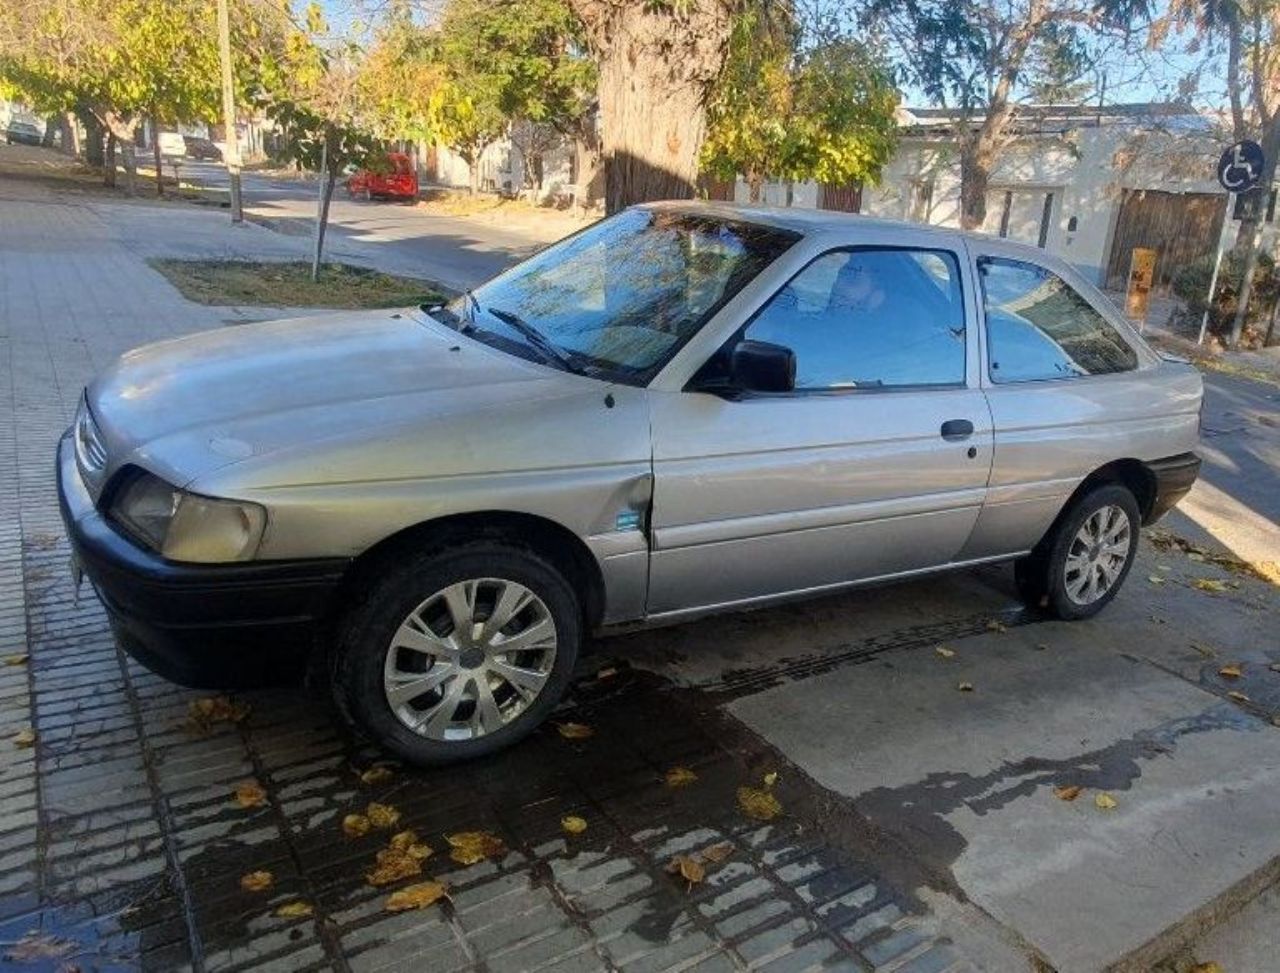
point(109, 162)
point(755, 185)
point(975, 176)
point(656, 64)
point(1270, 149)
point(94, 153)
point(328, 175)
point(588, 173)
point(70, 135)
point(123, 128)
point(52, 125)
point(473, 176)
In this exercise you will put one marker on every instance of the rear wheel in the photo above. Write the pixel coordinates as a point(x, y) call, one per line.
point(458, 654)
point(1080, 566)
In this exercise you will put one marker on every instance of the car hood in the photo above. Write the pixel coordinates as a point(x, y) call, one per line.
point(186, 407)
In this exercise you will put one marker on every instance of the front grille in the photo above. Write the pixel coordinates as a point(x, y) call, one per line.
point(90, 452)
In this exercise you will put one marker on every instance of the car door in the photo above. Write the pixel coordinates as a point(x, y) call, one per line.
point(875, 465)
point(1071, 389)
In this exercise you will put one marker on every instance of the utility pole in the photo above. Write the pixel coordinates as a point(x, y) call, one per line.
point(231, 150)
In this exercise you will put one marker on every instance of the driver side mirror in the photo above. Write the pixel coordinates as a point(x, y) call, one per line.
point(751, 366)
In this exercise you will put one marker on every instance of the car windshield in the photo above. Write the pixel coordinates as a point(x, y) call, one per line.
point(619, 299)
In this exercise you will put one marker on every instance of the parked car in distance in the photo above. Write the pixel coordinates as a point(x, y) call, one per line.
point(197, 147)
point(684, 408)
point(392, 178)
point(23, 133)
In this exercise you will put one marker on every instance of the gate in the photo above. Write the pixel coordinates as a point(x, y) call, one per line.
point(1180, 227)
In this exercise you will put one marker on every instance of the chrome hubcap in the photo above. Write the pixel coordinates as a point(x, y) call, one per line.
point(1097, 554)
point(469, 659)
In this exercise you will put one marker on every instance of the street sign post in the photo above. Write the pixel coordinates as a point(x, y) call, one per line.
point(1239, 170)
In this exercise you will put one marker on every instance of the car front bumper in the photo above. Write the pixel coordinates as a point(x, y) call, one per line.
point(217, 625)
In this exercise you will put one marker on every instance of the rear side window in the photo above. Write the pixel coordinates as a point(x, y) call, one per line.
point(1038, 327)
point(870, 319)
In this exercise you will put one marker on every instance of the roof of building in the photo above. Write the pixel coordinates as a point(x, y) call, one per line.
point(1061, 118)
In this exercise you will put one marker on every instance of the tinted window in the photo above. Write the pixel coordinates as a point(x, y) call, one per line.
point(870, 319)
point(622, 296)
point(1038, 327)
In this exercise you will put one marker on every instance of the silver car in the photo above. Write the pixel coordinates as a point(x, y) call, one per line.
point(682, 409)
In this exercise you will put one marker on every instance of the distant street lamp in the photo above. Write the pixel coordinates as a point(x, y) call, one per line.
point(231, 149)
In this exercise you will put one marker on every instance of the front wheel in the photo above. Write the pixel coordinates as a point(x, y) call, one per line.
point(1081, 565)
point(459, 653)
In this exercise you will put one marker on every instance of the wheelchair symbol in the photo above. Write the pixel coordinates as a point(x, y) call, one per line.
point(1240, 167)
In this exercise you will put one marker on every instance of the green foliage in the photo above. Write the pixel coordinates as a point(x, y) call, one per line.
point(1191, 283)
point(824, 113)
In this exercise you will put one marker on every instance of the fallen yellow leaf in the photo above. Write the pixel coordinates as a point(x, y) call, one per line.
point(688, 868)
point(417, 896)
point(965, 687)
point(382, 816)
point(378, 774)
point(1069, 793)
point(1209, 967)
point(250, 794)
point(575, 731)
point(717, 852)
point(402, 858)
point(407, 843)
point(1230, 672)
point(1156, 579)
point(943, 651)
point(256, 881)
point(356, 825)
point(995, 625)
point(24, 738)
point(294, 910)
point(17, 660)
point(1104, 801)
point(470, 847)
point(679, 777)
point(1208, 584)
point(758, 804)
point(203, 713)
point(1239, 697)
point(573, 824)
point(770, 778)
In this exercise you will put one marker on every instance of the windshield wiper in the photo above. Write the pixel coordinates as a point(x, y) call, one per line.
point(538, 341)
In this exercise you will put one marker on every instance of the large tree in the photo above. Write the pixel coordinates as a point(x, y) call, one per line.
point(797, 107)
point(979, 58)
point(657, 61)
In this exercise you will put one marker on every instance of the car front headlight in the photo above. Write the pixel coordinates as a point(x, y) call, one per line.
point(184, 526)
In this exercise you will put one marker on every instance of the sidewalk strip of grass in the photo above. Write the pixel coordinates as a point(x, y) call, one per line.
point(289, 284)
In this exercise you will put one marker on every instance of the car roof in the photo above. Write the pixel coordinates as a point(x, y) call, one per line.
point(814, 221)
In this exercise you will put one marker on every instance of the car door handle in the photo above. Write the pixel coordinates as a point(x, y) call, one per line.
point(955, 430)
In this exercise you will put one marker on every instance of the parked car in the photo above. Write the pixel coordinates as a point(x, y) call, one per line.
point(197, 147)
point(685, 408)
point(394, 178)
point(23, 133)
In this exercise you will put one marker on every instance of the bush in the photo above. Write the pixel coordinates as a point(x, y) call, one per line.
point(1191, 283)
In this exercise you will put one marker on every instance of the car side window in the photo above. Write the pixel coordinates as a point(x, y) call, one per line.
point(1039, 327)
point(870, 319)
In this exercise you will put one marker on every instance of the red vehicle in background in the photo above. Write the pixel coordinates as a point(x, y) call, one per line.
point(394, 178)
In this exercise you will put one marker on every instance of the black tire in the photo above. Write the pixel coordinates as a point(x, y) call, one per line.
point(1042, 575)
point(358, 659)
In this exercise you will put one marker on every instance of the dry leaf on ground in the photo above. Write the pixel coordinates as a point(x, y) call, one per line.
point(1209, 584)
point(943, 651)
point(770, 778)
point(355, 825)
point(1069, 793)
point(1104, 801)
point(204, 713)
point(1156, 579)
point(679, 777)
point(470, 847)
point(717, 852)
point(258, 881)
point(1209, 967)
point(402, 858)
point(250, 794)
point(378, 774)
point(965, 687)
point(294, 910)
point(575, 731)
point(573, 824)
point(406, 842)
point(687, 867)
point(382, 816)
point(24, 738)
point(758, 804)
point(995, 625)
point(1230, 672)
point(17, 660)
point(1239, 697)
point(417, 896)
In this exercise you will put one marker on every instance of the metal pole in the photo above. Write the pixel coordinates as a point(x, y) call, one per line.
point(1217, 265)
point(231, 150)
